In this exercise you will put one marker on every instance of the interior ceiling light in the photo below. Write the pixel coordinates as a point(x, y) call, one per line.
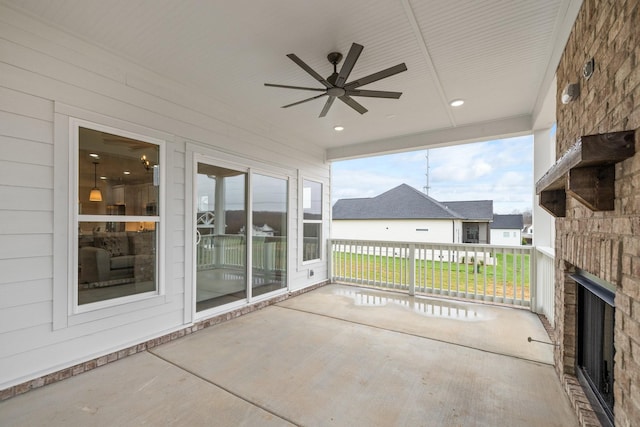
point(127, 172)
point(456, 102)
point(96, 194)
point(338, 128)
point(94, 155)
point(145, 162)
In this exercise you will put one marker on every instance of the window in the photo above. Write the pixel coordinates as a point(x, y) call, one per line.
point(506, 234)
point(118, 194)
point(311, 220)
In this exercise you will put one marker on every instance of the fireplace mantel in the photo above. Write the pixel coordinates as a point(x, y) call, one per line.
point(586, 171)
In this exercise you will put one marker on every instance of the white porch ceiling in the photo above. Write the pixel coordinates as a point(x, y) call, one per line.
point(499, 56)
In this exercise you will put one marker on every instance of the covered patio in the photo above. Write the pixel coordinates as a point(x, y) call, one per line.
point(338, 355)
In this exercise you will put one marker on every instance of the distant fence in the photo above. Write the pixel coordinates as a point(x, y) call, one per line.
point(481, 272)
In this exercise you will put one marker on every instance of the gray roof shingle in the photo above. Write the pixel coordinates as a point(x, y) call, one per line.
point(405, 202)
point(507, 222)
point(473, 209)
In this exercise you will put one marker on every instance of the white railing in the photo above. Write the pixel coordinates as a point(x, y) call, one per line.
point(214, 251)
point(482, 272)
point(229, 251)
point(545, 283)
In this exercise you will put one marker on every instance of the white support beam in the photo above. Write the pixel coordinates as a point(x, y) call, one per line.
point(506, 128)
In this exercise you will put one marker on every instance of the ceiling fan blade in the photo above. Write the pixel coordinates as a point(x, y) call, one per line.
point(327, 105)
point(374, 93)
point(309, 70)
point(349, 62)
point(304, 100)
point(376, 76)
point(295, 87)
point(353, 104)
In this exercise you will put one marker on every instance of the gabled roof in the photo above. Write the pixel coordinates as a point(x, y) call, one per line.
point(405, 202)
point(473, 209)
point(507, 222)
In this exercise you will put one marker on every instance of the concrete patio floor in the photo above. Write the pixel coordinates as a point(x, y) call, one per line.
point(340, 356)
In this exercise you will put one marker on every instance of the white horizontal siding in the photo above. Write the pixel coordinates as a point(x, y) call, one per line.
point(18, 126)
point(26, 316)
point(46, 75)
point(25, 175)
point(25, 151)
point(24, 198)
point(25, 245)
point(25, 269)
point(24, 293)
point(26, 105)
point(25, 222)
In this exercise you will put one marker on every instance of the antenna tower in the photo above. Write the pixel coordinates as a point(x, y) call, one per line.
point(426, 188)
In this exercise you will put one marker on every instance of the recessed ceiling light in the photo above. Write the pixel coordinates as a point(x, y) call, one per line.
point(338, 128)
point(127, 173)
point(456, 102)
point(94, 155)
point(103, 177)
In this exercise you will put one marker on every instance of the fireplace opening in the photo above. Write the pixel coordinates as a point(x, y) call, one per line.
point(595, 346)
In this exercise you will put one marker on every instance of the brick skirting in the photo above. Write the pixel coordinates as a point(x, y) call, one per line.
point(144, 346)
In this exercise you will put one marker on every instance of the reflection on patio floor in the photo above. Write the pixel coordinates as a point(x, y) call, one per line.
point(427, 306)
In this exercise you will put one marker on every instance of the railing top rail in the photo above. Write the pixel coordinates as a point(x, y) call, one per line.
point(443, 245)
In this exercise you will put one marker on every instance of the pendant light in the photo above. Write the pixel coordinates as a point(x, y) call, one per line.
point(96, 194)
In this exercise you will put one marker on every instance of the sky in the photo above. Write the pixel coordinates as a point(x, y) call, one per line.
point(499, 170)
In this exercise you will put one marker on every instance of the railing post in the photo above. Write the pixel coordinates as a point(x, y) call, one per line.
point(330, 255)
point(533, 279)
point(412, 269)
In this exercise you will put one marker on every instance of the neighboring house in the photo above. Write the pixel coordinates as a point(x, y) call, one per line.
point(506, 230)
point(406, 214)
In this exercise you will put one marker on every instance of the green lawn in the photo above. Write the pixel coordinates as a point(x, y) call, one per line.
point(471, 278)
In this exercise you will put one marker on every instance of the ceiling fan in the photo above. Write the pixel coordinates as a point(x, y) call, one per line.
point(336, 86)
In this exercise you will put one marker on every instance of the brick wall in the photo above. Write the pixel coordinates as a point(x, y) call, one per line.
point(606, 244)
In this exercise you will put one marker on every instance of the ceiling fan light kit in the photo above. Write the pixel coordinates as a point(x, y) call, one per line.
point(336, 86)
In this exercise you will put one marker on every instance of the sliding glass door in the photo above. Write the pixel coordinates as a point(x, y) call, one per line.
point(236, 262)
point(221, 236)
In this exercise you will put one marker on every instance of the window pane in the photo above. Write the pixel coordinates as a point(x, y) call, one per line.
point(117, 175)
point(312, 200)
point(115, 263)
point(269, 233)
point(311, 244)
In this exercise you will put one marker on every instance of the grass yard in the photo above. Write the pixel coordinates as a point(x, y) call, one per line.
point(508, 277)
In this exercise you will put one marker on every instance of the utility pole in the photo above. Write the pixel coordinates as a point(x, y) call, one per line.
point(426, 188)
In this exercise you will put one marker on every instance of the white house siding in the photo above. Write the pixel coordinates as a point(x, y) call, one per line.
point(431, 231)
point(46, 77)
point(498, 238)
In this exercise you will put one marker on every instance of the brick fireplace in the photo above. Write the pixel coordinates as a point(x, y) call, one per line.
point(603, 241)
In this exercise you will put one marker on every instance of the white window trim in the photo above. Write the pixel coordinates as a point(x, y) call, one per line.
point(65, 312)
point(74, 126)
